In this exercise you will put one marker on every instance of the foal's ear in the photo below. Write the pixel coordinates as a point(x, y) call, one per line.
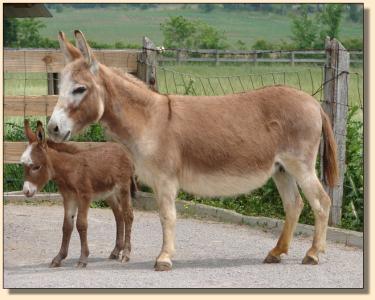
point(40, 135)
point(28, 132)
point(69, 51)
point(86, 51)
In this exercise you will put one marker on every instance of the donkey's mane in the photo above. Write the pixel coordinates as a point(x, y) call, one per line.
point(129, 77)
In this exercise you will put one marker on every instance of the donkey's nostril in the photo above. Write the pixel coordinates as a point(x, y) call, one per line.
point(56, 129)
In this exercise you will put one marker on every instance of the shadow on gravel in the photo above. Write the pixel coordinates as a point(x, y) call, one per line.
point(98, 263)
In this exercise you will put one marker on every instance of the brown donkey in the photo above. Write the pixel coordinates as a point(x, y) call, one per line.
point(81, 176)
point(212, 146)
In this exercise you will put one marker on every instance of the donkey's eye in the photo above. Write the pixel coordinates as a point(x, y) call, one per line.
point(79, 90)
point(35, 168)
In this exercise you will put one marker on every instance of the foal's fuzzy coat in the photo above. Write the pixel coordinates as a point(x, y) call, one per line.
point(217, 145)
point(82, 175)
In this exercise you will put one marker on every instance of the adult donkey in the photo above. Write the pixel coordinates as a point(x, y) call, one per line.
point(211, 146)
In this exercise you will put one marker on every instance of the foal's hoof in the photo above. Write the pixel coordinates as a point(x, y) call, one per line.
point(310, 260)
point(55, 264)
point(271, 259)
point(163, 266)
point(81, 264)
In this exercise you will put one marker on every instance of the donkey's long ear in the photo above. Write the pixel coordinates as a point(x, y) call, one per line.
point(28, 132)
point(40, 135)
point(85, 49)
point(69, 51)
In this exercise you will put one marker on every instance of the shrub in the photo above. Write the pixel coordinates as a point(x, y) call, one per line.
point(353, 206)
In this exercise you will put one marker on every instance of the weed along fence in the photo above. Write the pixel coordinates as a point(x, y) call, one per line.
point(31, 77)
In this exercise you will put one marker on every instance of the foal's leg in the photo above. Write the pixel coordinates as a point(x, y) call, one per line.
point(165, 194)
point(70, 207)
point(117, 211)
point(127, 210)
point(82, 230)
point(320, 204)
point(293, 205)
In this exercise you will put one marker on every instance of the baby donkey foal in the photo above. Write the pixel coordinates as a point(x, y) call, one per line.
point(82, 176)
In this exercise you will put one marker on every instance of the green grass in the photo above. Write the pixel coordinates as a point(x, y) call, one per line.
point(309, 78)
point(118, 24)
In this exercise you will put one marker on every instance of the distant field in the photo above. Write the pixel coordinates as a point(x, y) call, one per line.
point(118, 24)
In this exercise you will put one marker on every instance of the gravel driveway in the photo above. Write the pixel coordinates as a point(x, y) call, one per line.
point(208, 255)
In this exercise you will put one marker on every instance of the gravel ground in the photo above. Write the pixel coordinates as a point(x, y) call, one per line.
point(208, 255)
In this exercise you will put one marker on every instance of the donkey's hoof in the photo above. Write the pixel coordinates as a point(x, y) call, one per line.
point(271, 259)
point(310, 260)
point(81, 264)
point(125, 258)
point(163, 266)
point(55, 264)
point(114, 255)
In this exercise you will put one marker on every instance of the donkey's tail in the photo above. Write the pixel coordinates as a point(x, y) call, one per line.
point(331, 169)
point(133, 187)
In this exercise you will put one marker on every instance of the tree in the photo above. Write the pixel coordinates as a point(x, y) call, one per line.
point(331, 17)
point(10, 32)
point(304, 30)
point(180, 32)
point(28, 33)
point(207, 37)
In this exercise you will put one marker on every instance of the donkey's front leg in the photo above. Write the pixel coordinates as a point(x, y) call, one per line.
point(82, 230)
point(166, 192)
point(70, 207)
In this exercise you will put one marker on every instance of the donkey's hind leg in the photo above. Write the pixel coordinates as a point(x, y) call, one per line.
point(293, 205)
point(119, 217)
point(81, 225)
point(128, 215)
point(320, 204)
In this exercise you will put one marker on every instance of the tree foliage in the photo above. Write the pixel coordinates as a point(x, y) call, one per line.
point(180, 32)
point(304, 30)
point(309, 30)
point(10, 32)
point(331, 17)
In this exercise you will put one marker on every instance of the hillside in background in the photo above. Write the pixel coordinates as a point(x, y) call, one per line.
point(127, 23)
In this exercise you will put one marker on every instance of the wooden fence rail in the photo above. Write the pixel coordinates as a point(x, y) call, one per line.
point(251, 56)
point(52, 61)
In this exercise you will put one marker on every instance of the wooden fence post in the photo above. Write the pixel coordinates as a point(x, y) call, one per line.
point(216, 57)
point(336, 106)
point(178, 56)
point(52, 87)
point(147, 63)
point(292, 59)
point(53, 83)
